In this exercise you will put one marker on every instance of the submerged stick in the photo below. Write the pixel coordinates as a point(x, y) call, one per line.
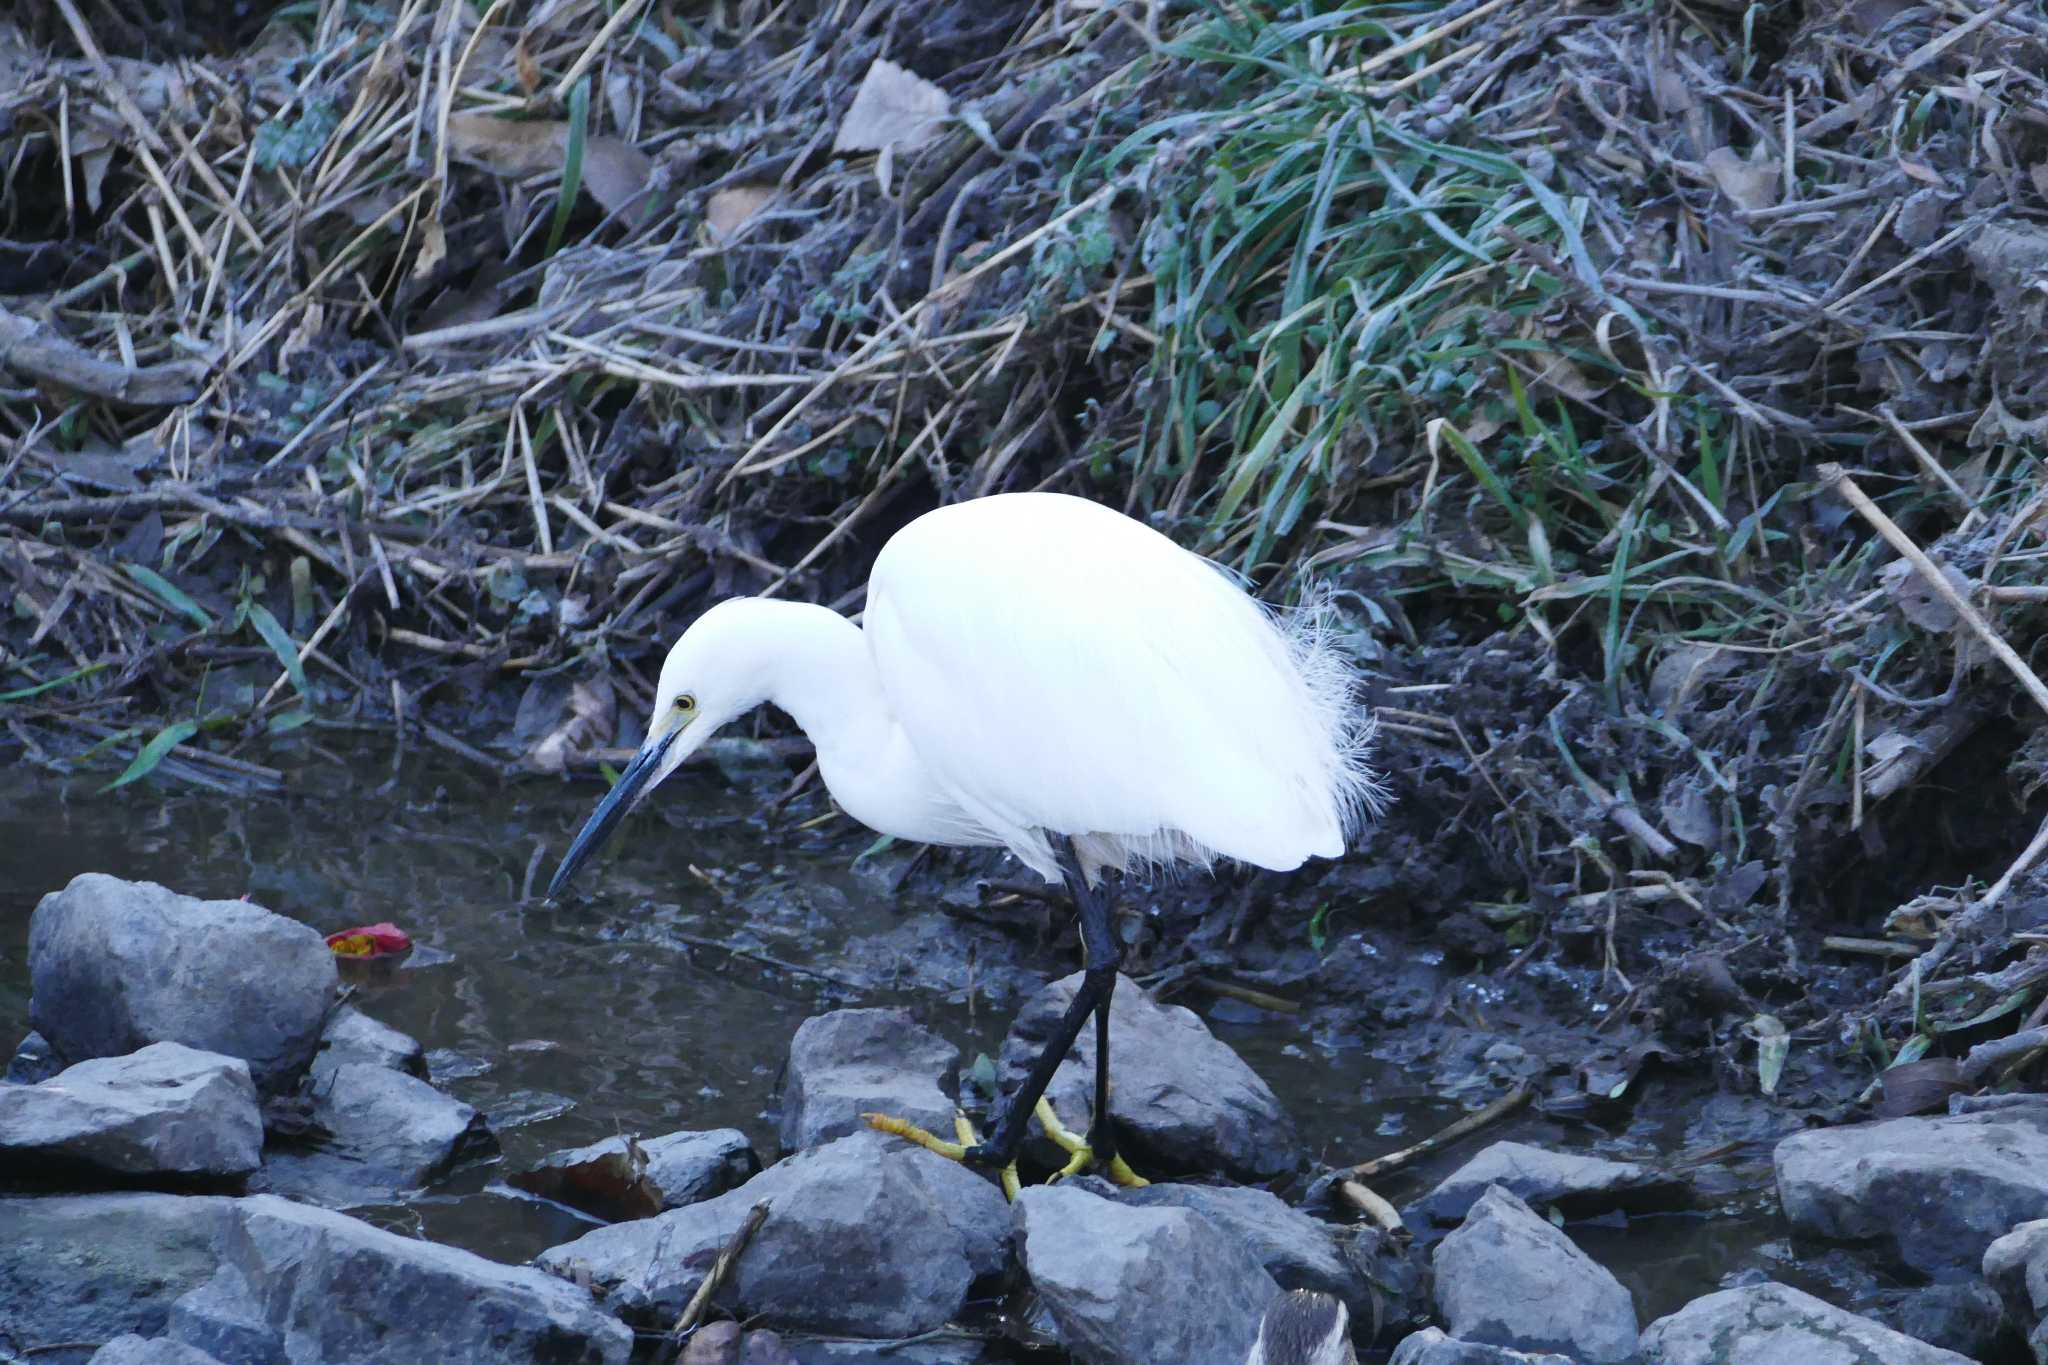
point(1471, 1123)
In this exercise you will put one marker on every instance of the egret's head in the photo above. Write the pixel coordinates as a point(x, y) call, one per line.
point(1304, 1328)
point(711, 676)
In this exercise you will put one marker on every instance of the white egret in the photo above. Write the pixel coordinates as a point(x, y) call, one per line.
point(1304, 1328)
point(1042, 674)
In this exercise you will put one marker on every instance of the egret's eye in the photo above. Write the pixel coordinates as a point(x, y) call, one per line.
point(685, 704)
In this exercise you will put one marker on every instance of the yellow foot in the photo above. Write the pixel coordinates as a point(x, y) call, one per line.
point(952, 1151)
point(1080, 1156)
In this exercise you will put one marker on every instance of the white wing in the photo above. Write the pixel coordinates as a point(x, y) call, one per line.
point(1063, 669)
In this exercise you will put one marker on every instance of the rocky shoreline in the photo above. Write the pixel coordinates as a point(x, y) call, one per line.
point(199, 1106)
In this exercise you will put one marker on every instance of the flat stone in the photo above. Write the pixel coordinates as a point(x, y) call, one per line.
point(1934, 1193)
point(308, 1284)
point(1134, 1286)
point(1298, 1251)
point(1775, 1324)
point(1577, 1186)
point(2016, 1266)
point(851, 1062)
point(868, 1236)
point(115, 966)
point(1431, 1346)
point(1506, 1277)
point(1183, 1101)
point(353, 1036)
point(167, 1111)
point(33, 1062)
point(605, 1181)
point(390, 1132)
point(130, 1349)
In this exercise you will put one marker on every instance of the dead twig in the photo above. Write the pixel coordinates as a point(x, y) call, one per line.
point(720, 1268)
point(1464, 1127)
point(36, 352)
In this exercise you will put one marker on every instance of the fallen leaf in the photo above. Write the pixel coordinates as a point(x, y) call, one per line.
point(1683, 670)
point(612, 1185)
point(1567, 378)
point(383, 939)
point(1917, 599)
point(522, 62)
point(614, 171)
point(729, 209)
point(617, 174)
point(587, 726)
point(1773, 1046)
point(1920, 1087)
point(1922, 172)
point(1751, 184)
point(893, 109)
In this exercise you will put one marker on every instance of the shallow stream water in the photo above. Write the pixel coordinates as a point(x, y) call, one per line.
point(626, 1011)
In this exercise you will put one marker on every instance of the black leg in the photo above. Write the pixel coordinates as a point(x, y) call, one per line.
point(1102, 955)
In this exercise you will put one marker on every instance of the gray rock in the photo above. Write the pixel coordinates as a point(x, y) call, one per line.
point(1128, 1286)
point(1775, 1324)
point(868, 1236)
point(1298, 1251)
point(115, 966)
point(678, 1169)
point(1578, 1186)
point(851, 1062)
point(1183, 1101)
point(129, 1349)
point(1506, 1277)
point(390, 1132)
point(1933, 1192)
point(1966, 1318)
point(223, 1316)
point(1431, 1346)
point(166, 1111)
point(353, 1036)
point(2016, 1265)
point(961, 1350)
point(92, 1267)
point(311, 1284)
point(33, 1062)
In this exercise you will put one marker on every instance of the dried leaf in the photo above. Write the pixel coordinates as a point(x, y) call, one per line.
point(893, 109)
point(587, 725)
point(1751, 184)
point(1916, 598)
point(1683, 670)
point(1919, 1087)
point(729, 209)
point(614, 171)
point(617, 174)
point(612, 1185)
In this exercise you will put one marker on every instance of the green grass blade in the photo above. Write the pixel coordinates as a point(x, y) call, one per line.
point(171, 595)
point(280, 642)
point(154, 752)
point(24, 693)
point(572, 163)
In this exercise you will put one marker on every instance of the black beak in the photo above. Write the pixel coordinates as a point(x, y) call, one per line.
point(624, 795)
